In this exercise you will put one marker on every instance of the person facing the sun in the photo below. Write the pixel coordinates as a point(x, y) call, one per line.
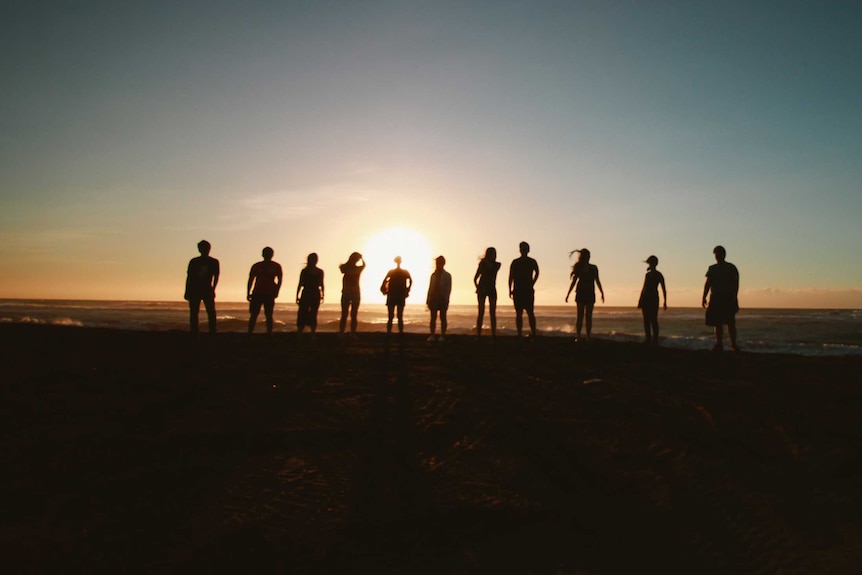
point(485, 281)
point(396, 287)
point(309, 294)
point(585, 280)
point(439, 290)
point(350, 295)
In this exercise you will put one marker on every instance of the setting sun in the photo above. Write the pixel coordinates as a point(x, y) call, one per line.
point(380, 251)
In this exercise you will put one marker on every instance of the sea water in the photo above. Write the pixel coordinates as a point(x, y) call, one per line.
point(799, 331)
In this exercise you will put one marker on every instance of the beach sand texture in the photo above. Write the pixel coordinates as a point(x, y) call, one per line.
point(152, 452)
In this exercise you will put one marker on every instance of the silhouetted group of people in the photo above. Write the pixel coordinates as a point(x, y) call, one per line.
point(720, 293)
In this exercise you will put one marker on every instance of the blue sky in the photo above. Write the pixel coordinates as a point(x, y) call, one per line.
point(129, 131)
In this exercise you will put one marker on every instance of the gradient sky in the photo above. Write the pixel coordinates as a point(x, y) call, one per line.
point(131, 130)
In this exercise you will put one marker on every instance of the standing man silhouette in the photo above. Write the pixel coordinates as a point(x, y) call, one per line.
point(264, 283)
point(523, 274)
point(396, 287)
point(201, 281)
point(437, 300)
point(722, 279)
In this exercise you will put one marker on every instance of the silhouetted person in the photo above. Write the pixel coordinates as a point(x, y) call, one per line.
point(309, 294)
point(201, 281)
point(264, 283)
point(523, 274)
point(439, 290)
point(648, 301)
point(585, 278)
point(485, 281)
point(722, 279)
point(396, 287)
point(351, 271)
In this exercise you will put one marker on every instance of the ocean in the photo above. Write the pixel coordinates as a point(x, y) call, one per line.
point(797, 331)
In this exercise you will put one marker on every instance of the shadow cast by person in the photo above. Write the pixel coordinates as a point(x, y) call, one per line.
point(523, 274)
point(309, 295)
point(396, 287)
point(648, 301)
point(350, 292)
point(201, 280)
point(264, 283)
point(485, 281)
point(585, 279)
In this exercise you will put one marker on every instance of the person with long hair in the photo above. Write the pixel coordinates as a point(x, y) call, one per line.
point(585, 279)
point(648, 301)
point(350, 296)
point(309, 295)
point(485, 281)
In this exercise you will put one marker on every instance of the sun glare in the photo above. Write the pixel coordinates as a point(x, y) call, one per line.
point(380, 251)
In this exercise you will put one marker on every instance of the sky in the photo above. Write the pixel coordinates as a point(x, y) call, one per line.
point(129, 131)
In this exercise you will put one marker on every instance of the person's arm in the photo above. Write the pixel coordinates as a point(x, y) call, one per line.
point(447, 286)
point(571, 287)
point(706, 287)
point(249, 284)
point(599, 285)
point(511, 281)
point(279, 279)
point(477, 276)
point(299, 285)
point(409, 282)
point(215, 276)
point(322, 289)
point(535, 273)
point(188, 281)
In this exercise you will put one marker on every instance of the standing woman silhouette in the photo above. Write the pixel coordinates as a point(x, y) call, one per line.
point(648, 301)
point(350, 290)
point(586, 276)
point(309, 294)
point(485, 281)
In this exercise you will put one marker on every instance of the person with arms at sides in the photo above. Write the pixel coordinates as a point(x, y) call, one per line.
point(309, 294)
point(396, 287)
point(201, 281)
point(585, 279)
point(264, 283)
point(439, 290)
point(350, 296)
point(722, 280)
point(523, 273)
point(648, 301)
point(485, 281)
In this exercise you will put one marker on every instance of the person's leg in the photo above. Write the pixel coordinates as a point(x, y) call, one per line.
point(443, 322)
point(647, 324)
point(519, 320)
point(268, 309)
point(481, 317)
point(492, 311)
point(391, 309)
point(354, 314)
point(531, 316)
point(589, 313)
point(719, 337)
point(209, 304)
point(400, 317)
point(194, 313)
point(654, 322)
point(580, 320)
point(253, 311)
point(731, 332)
point(345, 306)
point(433, 323)
point(312, 320)
point(300, 317)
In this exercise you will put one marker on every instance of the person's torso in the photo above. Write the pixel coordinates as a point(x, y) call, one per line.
point(265, 273)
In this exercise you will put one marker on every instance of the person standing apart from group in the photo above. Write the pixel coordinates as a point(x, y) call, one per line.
point(264, 283)
point(396, 287)
point(485, 281)
point(201, 281)
point(585, 279)
point(309, 294)
point(722, 280)
point(648, 301)
point(350, 295)
point(523, 274)
point(437, 300)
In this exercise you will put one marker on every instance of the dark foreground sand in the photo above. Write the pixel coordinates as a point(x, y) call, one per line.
point(131, 452)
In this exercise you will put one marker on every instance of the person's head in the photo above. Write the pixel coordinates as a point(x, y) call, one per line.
point(652, 261)
point(397, 261)
point(524, 247)
point(491, 255)
point(354, 257)
point(583, 255)
point(204, 247)
point(267, 253)
point(720, 253)
point(312, 260)
point(440, 261)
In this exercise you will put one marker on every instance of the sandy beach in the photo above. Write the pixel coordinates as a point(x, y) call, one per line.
point(153, 452)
